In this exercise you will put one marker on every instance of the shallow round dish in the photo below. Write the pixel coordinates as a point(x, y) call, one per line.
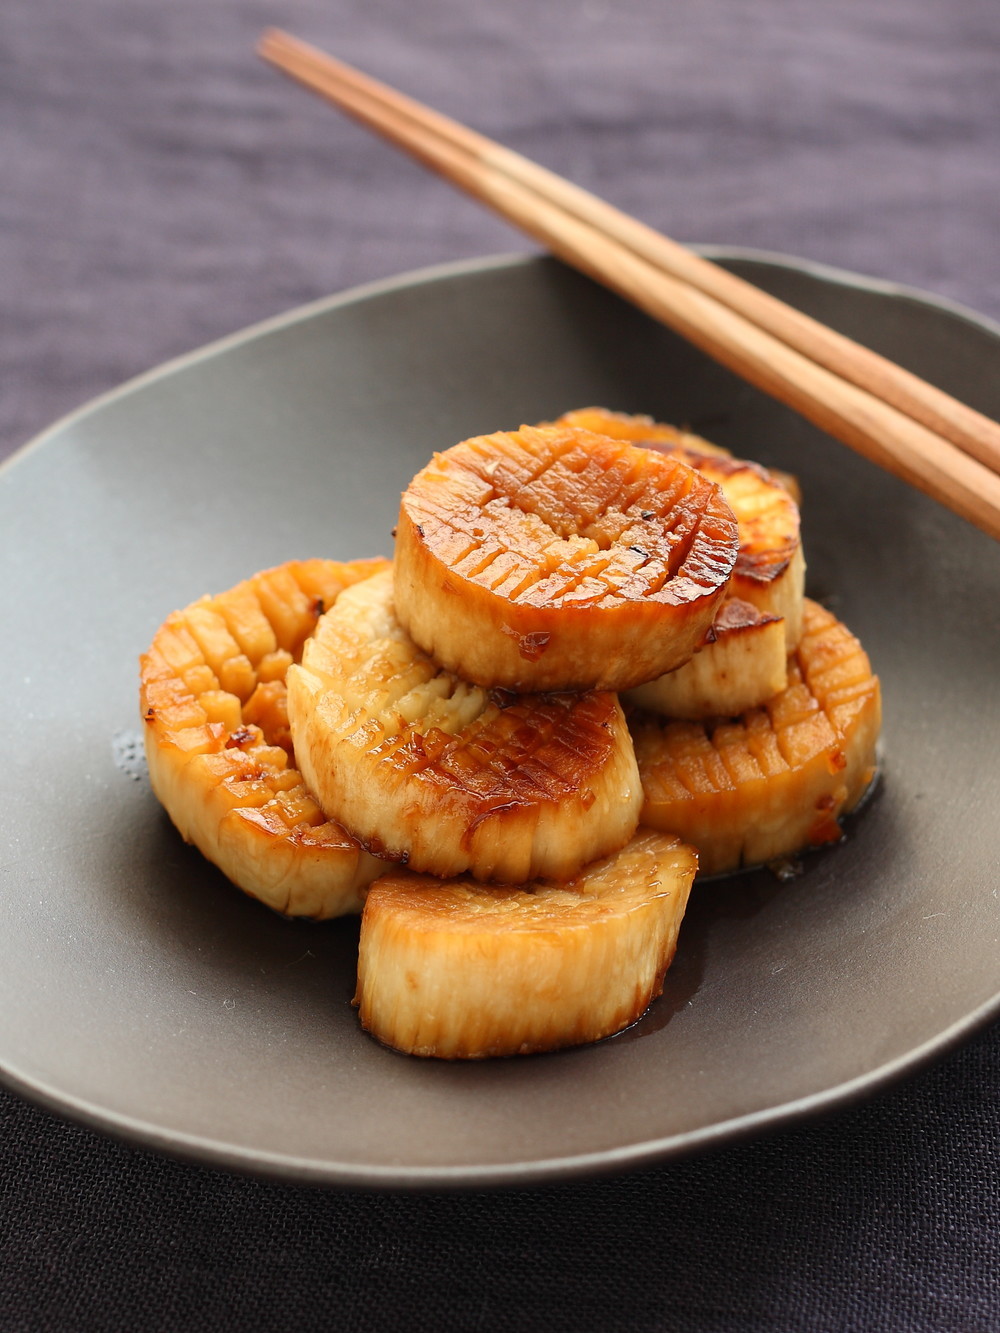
point(141, 994)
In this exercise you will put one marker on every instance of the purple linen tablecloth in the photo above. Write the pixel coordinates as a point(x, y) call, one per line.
point(160, 189)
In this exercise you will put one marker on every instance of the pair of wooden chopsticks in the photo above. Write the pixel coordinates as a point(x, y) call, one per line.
point(897, 420)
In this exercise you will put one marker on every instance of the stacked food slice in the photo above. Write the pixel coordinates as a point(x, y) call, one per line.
point(754, 789)
point(442, 739)
point(449, 777)
point(554, 558)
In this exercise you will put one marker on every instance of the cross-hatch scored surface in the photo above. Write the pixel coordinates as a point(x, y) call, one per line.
point(213, 698)
point(765, 503)
point(550, 558)
point(393, 701)
point(777, 779)
point(553, 517)
point(452, 777)
point(767, 516)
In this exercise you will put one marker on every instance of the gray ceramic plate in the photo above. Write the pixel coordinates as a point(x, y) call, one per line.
point(141, 994)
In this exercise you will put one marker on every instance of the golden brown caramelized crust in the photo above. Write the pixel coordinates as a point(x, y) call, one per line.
point(553, 558)
point(637, 429)
point(778, 779)
point(460, 970)
point(770, 568)
point(213, 699)
point(447, 776)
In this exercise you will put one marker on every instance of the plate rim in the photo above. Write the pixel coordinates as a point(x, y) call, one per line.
point(209, 1152)
point(431, 273)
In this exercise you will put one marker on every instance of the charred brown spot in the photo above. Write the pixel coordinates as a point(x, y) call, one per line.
point(150, 715)
point(763, 566)
point(483, 815)
point(825, 830)
point(718, 463)
point(503, 698)
point(737, 614)
point(318, 607)
point(530, 646)
point(377, 847)
point(240, 738)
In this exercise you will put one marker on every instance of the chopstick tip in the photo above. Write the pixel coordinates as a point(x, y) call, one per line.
point(272, 40)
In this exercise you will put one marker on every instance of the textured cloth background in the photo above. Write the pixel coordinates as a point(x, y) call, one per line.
point(161, 188)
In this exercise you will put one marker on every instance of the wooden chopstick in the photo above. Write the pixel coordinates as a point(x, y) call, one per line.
point(892, 417)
